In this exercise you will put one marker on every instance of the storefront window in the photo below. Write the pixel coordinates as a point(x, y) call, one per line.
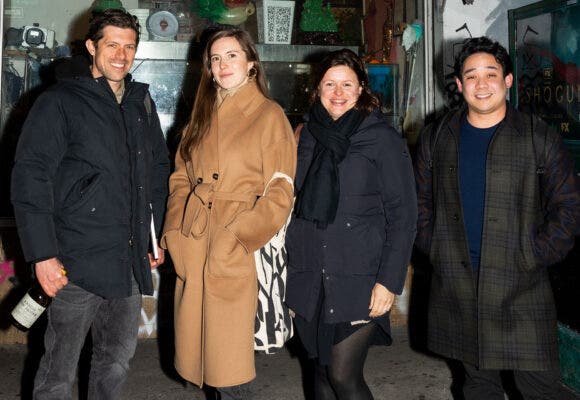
point(37, 34)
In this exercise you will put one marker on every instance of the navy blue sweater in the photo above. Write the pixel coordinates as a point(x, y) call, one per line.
point(473, 144)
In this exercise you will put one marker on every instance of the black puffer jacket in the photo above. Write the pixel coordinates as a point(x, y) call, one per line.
point(85, 174)
point(371, 238)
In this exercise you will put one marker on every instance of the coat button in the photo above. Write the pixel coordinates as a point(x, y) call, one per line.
point(209, 205)
point(464, 264)
point(199, 180)
point(455, 217)
point(215, 176)
point(331, 310)
point(452, 169)
point(348, 224)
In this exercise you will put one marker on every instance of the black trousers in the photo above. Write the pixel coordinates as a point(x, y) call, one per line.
point(532, 385)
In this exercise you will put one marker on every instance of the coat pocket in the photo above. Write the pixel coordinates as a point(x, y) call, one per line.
point(228, 258)
point(172, 240)
point(81, 192)
point(529, 261)
point(355, 243)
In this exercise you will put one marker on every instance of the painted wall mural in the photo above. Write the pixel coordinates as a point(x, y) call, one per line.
point(452, 95)
point(460, 21)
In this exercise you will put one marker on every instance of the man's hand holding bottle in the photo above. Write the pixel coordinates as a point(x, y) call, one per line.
point(51, 275)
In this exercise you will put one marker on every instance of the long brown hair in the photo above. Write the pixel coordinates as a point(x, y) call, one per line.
point(367, 101)
point(205, 98)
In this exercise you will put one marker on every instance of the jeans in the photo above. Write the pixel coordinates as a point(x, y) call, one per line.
point(532, 385)
point(114, 325)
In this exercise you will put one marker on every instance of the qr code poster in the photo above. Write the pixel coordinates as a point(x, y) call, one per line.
point(278, 19)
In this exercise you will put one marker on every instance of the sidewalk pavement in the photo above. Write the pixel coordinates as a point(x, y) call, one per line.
point(395, 372)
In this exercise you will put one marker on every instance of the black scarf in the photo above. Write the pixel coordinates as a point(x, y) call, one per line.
point(318, 198)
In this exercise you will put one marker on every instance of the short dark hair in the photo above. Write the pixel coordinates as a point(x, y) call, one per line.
point(112, 17)
point(367, 101)
point(483, 45)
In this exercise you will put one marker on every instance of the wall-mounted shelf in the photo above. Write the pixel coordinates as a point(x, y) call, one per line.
point(151, 50)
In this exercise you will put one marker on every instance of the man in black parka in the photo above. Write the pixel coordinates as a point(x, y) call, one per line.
point(499, 202)
point(91, 169)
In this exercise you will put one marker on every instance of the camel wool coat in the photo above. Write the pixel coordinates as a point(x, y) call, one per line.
point(224, 204)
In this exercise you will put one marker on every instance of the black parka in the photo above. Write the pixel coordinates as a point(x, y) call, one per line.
point(87, 172)
point(371, 238)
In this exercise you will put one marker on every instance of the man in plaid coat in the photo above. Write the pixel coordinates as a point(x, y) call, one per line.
point(498, 203)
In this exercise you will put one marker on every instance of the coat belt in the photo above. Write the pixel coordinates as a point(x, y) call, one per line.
point(196, 216)
point(233, 196)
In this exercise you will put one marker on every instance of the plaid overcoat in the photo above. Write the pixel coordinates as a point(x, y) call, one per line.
point(507, 320)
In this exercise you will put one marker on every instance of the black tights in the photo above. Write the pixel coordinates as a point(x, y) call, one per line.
point(343, 379)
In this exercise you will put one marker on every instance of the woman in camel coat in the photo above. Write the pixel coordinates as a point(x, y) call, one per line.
point(231, 191)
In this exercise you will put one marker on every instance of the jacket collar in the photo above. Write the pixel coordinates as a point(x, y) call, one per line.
point(512, 119)
point(515, 120)
point(375, 117)
point(103, 81)
point(247, 99)
point(456, 119)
